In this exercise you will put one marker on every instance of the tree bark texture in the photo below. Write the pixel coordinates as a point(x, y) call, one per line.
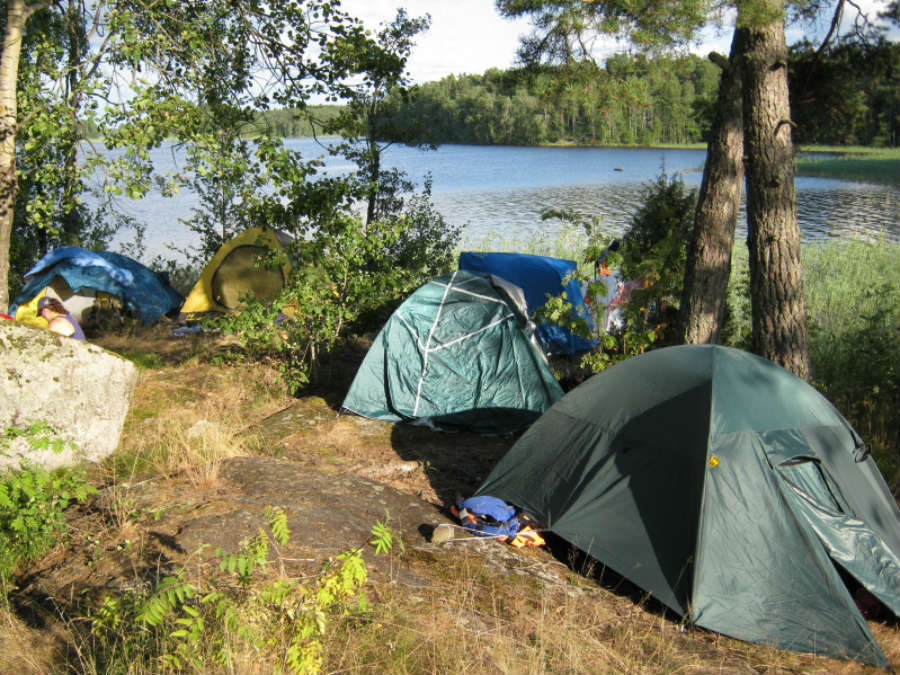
point(708, 265)
point(773, 235)
point(17, 14)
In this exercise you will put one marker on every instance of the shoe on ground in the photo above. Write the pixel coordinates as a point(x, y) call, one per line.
point(442, 533)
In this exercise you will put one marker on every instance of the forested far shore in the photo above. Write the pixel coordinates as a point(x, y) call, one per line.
point(847, 95)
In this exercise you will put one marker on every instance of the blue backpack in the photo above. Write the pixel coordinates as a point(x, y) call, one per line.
point(487, 516)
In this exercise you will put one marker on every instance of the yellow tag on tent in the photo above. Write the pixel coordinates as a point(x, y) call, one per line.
point(713, 462)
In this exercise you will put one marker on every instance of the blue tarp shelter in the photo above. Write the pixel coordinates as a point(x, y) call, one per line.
point(142, 291)
point(537, 276)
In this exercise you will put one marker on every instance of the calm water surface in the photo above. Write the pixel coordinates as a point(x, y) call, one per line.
point(497, 194)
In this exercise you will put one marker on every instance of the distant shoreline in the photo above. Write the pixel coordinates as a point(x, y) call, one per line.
point(852, 163)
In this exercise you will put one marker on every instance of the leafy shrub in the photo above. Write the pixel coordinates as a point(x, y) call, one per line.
point(853, 305)
point(33, 500)
point(653, 249)
point(655, 245)
point(213, 624)
point(347, 277)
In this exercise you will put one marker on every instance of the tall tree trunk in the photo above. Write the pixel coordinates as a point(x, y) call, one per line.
point(773, 236)
point(708, 264)
point(16, 15)
point(374, 158)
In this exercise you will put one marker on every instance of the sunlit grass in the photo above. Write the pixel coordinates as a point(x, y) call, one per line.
point(875, 165)
point(175, 428)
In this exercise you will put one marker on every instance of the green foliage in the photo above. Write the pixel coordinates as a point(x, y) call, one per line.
point(630, 100)
point(223, 175)
point(652, 251)
point(198, 76)
point(737, 328)
point(384, 540)
point(655, 244)
point(345, 274)
point(380, 62)
point(853, 305)
point(345, 278)
point(33, 500)
point(847, 93)
point(143, 360)
point(278, 522)
point(295, 122)
point(209, 625)
point(243, 565)
point(864, 165)
point(51, 164)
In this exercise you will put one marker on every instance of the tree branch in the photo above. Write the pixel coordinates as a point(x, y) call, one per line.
point(835, 22)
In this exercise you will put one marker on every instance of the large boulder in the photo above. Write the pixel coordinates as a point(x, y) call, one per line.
point(80, 391)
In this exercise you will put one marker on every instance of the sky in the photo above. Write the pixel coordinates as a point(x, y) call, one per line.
point(469, 36)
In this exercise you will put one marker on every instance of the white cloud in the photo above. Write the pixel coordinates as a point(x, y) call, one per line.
point(469, 36)
point(466, 36)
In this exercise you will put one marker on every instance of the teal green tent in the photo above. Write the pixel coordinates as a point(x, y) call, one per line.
point(459, 353)
point(725, 486)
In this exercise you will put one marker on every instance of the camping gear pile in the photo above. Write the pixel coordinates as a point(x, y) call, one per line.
point(725, 486)
point(492, 518)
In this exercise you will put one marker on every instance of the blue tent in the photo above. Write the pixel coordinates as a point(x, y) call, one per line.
point(537, 276)
point(144, 293)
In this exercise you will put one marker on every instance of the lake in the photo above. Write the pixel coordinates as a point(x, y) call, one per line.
point(497, 194)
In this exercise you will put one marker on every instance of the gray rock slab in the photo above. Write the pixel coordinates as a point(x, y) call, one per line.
point(80, 390)
point(327, 514)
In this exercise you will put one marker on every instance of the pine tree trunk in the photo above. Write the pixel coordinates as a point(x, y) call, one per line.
point(709, 253)
point(773, 236)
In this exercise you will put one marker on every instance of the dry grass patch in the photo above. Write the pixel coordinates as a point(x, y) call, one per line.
point(472, 619)
point(185, 420)
point(24, 649)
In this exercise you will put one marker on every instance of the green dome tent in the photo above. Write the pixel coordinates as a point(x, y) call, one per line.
point(457, 354)
point(726, 487)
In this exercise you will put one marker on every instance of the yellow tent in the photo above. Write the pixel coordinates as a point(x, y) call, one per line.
point(234, 273)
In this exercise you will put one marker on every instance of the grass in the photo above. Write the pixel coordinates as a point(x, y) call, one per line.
point(853, 305)
point(873, 165)
point(175, 427)
point(476, 619)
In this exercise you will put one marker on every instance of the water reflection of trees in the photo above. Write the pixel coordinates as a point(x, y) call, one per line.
point(515, 215)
